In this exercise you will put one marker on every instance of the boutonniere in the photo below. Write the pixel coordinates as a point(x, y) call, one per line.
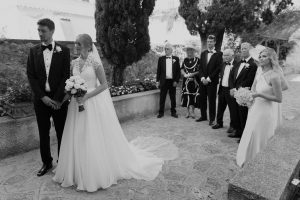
point(58, 49)
point(247, 65)
point(174, 60)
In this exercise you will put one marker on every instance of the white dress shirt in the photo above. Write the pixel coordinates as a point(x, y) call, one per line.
point(226, 74)
point(242, 65)
point(210, 54)
point(169, 64)
point(47, 60)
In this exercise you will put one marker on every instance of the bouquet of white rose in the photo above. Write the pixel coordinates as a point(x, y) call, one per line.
point(244, 97)
point(76, 86)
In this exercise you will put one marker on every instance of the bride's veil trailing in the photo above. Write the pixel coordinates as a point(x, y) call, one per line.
point(96, 57)
point(160, 147)
point(95, 54)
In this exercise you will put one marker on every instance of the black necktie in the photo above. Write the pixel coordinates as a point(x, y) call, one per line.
point(243, 61)
point(49, 46)
point(168, 57)
point(227, 63)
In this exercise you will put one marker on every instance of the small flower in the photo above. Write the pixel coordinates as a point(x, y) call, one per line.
point(174, 60)
point(58, 49)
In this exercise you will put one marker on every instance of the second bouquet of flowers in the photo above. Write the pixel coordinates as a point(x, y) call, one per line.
point(244, 97)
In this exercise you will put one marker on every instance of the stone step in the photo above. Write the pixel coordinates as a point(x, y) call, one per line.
point(270, 174)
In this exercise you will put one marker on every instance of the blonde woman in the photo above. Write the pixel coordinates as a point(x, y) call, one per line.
point(261, 123)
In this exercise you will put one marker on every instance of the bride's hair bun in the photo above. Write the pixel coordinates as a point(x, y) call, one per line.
point(86, 40)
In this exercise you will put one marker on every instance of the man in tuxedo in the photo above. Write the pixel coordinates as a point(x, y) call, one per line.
point(224, 97)
point(168, 75)
point(48, 67)
point(242, 75)
point(210, 65)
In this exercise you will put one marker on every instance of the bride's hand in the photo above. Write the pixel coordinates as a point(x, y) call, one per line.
point(81, 100)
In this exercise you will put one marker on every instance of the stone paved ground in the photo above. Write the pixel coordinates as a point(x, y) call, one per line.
point(205, 164)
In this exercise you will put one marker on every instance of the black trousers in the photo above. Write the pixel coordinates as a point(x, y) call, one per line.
point(240, 114)
point(224, 100)
point(164, 89)
point(43, 115)
point(208, 92)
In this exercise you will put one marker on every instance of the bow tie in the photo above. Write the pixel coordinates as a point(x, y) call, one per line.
point(168, 57)
point(243, 61)
point(49, 46)
point(210, 51)
point(227, 63)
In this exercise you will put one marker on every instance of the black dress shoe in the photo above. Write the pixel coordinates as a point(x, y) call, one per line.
point(160, 115)
point(44, 170)
point(211, 123)
point(233, 136)
point(230, 130)
point(174, 115)
point(201, 119)
point(217, 126)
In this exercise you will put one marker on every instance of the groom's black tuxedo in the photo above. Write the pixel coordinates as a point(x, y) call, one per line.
point(58, 74)
point(236, 80)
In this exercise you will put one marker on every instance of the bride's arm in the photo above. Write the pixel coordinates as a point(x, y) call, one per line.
point(100, 73)
point(277, 90)
point(254, 86)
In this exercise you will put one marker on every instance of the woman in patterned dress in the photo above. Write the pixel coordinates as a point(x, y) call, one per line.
point(190, 85)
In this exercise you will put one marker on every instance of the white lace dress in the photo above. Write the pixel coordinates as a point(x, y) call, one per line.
point(94, 152)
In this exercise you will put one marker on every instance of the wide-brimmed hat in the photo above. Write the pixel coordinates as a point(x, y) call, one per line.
point(192, 45)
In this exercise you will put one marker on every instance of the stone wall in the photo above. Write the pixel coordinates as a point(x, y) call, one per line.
point(21, 135)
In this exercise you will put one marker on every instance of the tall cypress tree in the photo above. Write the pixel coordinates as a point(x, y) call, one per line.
point(122, 32)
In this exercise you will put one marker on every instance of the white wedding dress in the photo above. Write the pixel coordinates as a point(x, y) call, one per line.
point(94, 152)
point(264, 117)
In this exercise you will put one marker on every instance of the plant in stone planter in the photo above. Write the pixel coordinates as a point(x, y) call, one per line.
point(18, 99)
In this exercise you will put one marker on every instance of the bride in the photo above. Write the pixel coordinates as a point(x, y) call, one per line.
point(262, 121)
point(94, 151)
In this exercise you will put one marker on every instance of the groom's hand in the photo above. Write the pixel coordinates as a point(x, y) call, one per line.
point(49, 102)
point(57, 106)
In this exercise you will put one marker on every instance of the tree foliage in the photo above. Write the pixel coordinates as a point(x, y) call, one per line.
point(122, 32)
point(232, 16)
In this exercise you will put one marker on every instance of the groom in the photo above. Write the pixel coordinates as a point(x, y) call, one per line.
point(48, 67)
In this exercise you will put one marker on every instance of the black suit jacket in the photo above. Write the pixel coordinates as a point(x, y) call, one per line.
point(246, 76)
point(58, 74)
point(212, 68)
point(234, 63)
point(161, 69)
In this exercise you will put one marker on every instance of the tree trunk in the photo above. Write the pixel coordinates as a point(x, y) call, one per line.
point(203, 38)
point(219, 39)
point(118, 75)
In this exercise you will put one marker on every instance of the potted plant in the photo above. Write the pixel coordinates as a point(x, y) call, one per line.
point(17, 102)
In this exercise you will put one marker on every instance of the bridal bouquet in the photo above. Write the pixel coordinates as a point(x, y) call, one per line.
point(76, 86)
point(244, 97)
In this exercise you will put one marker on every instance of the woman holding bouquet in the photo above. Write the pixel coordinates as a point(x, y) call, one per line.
point(261, 123)
point(94, 151)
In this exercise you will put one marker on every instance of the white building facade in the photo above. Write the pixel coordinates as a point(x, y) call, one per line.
point(18, 18)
